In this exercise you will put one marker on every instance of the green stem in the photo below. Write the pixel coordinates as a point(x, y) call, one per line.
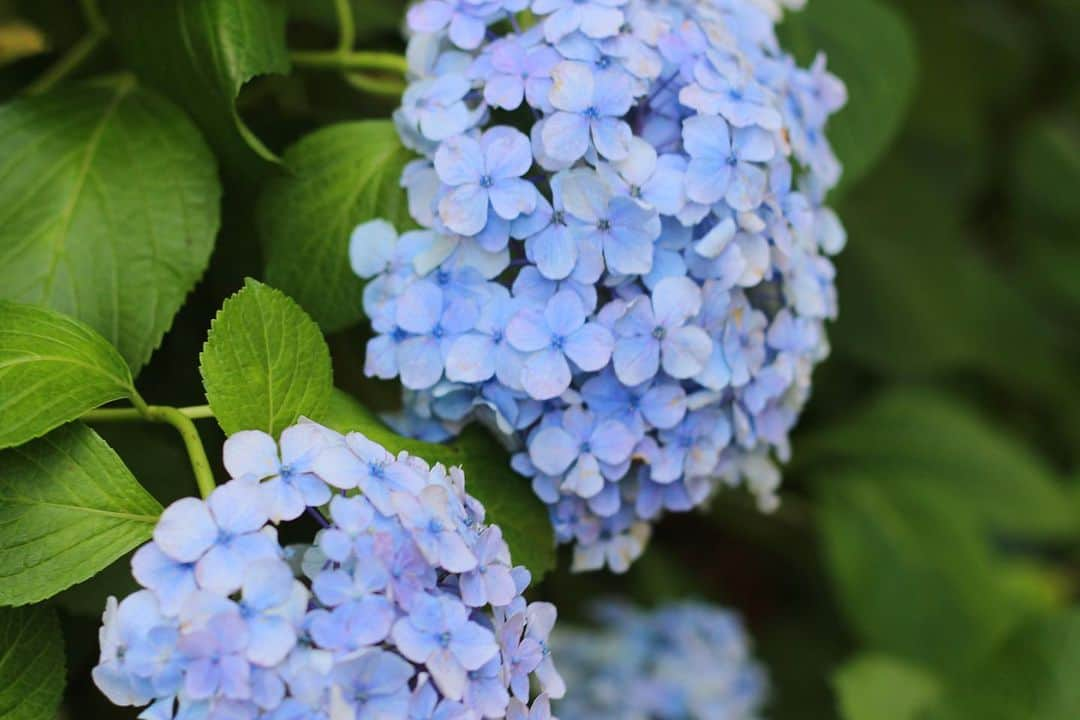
point(200, 464)
point(181, 419)
point(343, 60)
point(77, 54)
point(375, 86)
point(346, 25)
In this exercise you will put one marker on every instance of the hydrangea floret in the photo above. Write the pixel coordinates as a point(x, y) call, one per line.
point(623, 255)
point(686, 661)
point(406, 605)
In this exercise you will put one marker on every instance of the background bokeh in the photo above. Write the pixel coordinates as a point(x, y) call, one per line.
point(925, 564)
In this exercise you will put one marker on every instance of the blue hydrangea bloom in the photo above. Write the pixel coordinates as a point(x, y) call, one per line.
point(624, 262)
point(406, 604)
point(679, 662)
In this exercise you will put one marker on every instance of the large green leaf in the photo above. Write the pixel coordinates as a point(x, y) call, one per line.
point(878, 687)
point(338, 177)
point(915, 579)
point(507, 497)
point(109, 204)
point(1032, 675)
point(265, 362)
point(52, 370)
point(923, 301)
point(32, 673)
point(68, 508)
point(200, 53)
point(870, 47)
point(978, 469)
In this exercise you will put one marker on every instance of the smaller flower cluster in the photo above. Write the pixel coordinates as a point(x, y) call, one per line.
point(688, 661)
point(407, 604)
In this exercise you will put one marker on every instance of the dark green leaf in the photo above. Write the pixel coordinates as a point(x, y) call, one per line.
point(924, 301)
point(979, 470)
point(32, 673)
point(878, 687)
point(507, 497)
point(916, 580)
point(265, 362)
point(200, 53)
point(68, 508)
point(1032, 675)
point(52, 370)
point(109, 204)
point(338, 177)
point(870, 47)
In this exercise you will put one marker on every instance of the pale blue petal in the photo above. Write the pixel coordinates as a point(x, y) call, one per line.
point(552, 450)
point(546, 375)
point(590, 347)
point(636, 359)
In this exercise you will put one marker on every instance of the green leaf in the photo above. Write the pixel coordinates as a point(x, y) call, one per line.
point(915, 579)
point(32, 673)
point(1032, 675)
point(68, 508)
point(52, 370)
point(200, 53)
point(372, 18)
point(265, 362)
point(109, 203)
point(927, 301)
point(977, 469)
point(870, 47)
point(878, 687)
point(506, 496)
point(338, 177)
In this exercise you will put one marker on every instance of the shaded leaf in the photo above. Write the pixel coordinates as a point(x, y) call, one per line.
point(974, 467)
point(109, 204)
point(915, 580)
point(870, 47)
point(338, 177)
point(1032, 675)
point(68, 508)
point(32, 673)
point(52, 370)
point(265, 363)
point(507, 497)
point(200, 53)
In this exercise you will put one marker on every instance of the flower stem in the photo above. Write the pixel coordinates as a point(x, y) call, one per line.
point(375, 86)
point(346, 25)
point(347, 60)
point(181, 419)
point(70, 61)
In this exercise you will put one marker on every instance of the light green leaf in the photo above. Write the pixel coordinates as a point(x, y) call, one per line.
point(338, 177)
point(109, 204)
point(265, 362)
point(870, 47)
point(200, 53)
point(878, 687)
point(974, 467)
point(506, 496)
point(52, 370)
point(68, 508)
point(32, 673)
point(916, 580)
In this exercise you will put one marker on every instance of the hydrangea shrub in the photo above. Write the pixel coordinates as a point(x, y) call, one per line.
point(685, 661)
point(406, 605)
point(623, 256)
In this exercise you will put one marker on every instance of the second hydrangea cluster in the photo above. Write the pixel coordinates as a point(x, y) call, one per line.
point(405, 606)
point(623, 261)
point(687, 661)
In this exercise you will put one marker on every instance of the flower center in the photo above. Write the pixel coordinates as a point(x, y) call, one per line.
point(603, 224)
point(486, 181)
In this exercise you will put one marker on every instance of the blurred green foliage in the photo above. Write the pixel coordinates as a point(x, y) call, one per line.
point(925, 564)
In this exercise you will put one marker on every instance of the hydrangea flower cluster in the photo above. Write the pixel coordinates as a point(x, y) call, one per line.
point(405, 606)
point(623, 261)
point(688, 661)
